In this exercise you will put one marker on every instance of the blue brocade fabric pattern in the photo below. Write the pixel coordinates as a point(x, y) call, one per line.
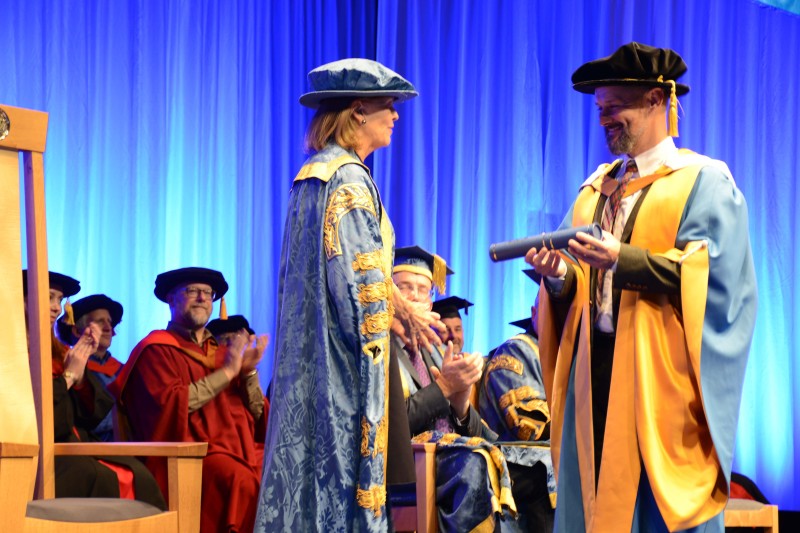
point(473, 486)
point(324, 459)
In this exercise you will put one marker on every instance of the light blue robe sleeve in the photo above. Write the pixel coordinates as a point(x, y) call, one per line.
point(716, 212)
point(360, 293)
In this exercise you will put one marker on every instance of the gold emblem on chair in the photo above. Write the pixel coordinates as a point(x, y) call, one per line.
point(5, 125)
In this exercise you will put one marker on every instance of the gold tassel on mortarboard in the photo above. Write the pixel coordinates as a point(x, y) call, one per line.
point(439, 273)
point(223, 309)
point(70, 320)
point(673, 111)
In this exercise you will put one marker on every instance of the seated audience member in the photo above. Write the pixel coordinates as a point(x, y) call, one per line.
point(106, 313)
point(437, 388)
point(512, 402)
point(180, 385)
point(449, 310)
point(436, 385)
point(80, 402)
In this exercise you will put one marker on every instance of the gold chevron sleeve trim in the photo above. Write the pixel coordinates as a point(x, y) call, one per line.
point(364, 437)
point(368, 261)
point(528, 426)
point(343, 200)
point(377, 349)
point(526, 398)
point(374, 292)
point(372, 498)
point(374, 324)
point(505, 362)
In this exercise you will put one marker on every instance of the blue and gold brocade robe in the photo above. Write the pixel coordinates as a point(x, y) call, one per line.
point(325, 449)
point(512, 402)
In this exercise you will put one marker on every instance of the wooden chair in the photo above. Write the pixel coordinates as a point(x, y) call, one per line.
point(26, 396)
point(422, 517)
point(750, 513)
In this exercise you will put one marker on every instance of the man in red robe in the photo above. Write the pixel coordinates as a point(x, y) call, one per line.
point(180, 385)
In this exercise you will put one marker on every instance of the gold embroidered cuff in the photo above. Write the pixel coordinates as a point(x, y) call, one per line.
point(364, 437)
point(374, 324)
point(373, 498)
point(374, 292)
point(368, 261)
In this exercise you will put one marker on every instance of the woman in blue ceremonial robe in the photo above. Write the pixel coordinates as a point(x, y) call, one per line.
point(325, 461)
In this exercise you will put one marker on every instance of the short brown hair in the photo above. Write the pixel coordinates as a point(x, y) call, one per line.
point(333, 121)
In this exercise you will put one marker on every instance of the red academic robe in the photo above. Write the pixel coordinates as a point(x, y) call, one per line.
point(153, 389)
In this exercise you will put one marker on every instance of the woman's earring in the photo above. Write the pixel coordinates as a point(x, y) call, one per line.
point(363, 121)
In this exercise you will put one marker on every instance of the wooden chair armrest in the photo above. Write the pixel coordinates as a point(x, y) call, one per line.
point(146, 449)
point(16, 449)
point(425, 468)
point(184, 465)
point(426, 447)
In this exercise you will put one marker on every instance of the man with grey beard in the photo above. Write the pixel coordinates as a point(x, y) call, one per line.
point(644, 333)
point(180, 385)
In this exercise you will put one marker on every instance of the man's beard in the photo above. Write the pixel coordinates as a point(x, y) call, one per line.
point(197, 317)
point(624, 141)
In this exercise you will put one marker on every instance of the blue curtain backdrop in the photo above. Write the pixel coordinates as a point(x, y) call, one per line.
point(175, 133)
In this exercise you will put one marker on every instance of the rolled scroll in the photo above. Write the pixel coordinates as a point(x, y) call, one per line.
point(555, 240)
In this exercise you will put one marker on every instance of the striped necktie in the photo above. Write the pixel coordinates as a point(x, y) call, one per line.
point(610, 214)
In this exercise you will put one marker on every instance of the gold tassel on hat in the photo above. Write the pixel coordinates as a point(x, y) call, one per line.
point(673, 110)
point(223, 309)
point(439, 273)
point(70, 320)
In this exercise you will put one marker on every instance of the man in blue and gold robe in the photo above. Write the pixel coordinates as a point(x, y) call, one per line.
point(644, 335)
point(512, 402)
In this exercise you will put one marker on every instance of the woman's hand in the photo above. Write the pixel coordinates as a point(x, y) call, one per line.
point(414, 322)
point(77, 356)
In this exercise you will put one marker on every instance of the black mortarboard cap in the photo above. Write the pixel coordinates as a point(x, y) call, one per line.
point(69, 286)
point(535, 276)
point(84, 306)
point(232, 324)
point(632, 64)
point(526, 324)
point(167, 281)
point(451, 306)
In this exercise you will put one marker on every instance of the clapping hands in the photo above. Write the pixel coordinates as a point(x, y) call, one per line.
point(77, 356)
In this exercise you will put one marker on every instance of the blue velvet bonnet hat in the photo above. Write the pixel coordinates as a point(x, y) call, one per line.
point(355, 78)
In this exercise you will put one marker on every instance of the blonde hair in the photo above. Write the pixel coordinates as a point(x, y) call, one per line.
point(333, 121)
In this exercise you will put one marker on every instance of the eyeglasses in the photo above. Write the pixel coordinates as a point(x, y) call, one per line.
point(407, 290)
point(194, 292)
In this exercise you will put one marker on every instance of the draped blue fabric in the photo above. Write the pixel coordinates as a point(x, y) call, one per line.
point(175, 132)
